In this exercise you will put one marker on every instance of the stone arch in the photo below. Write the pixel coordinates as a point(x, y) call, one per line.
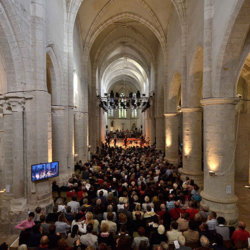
point(126, 15)
point(174, 95)
point(231, 48)
point(242, 153)
point(54, 74)
point(11, 54)
point(194, 87)
point(3, 76)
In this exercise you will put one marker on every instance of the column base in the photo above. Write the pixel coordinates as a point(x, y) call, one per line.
point(12, 211)
point(172, 161)
point(225, 208)
point(196, 176)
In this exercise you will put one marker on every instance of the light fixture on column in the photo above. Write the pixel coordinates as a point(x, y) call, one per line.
point(212, 173)
point(2, 190)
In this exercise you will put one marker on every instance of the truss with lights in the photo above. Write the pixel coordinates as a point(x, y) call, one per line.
point(133, 101)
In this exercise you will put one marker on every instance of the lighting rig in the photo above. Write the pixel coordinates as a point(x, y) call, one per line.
point(133, 101)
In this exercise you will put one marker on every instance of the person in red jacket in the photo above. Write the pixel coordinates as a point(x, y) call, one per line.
point(176, 211)
point(192, 210)
point(241, 235)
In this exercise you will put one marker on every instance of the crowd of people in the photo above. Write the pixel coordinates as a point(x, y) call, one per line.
point(121, 134)
point(128, 199)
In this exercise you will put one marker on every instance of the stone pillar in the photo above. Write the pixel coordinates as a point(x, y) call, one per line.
point(81, 129)
point(59, 140)
point(219, 157)
point(13, 142)
point(159, 132)
point(192, 144)
point(71, 141)
point(12, 203)
point(172, 138)
point(1, 148)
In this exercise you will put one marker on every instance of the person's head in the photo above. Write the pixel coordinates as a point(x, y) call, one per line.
point(181, 240)
point(21, 247)
point(174, 225)
point(161, 229)
point(68, 209)
point(141, 231)
point(42, 218)
point(38, 210)
point(163, 246)
point(31, 216)
point(221, 220)
point(204, 208)
point(213, 215)
point(62, 244)
point(89, 228)
point(110, 216)
point(122, 218)
point(149, 208)
point(163, 207)
point(61, 217)
point(204, 241)
point(104, 227)
point(242, 225)
point(74, 198)
point(89, 216)
point(198, 217)
point(44, 241)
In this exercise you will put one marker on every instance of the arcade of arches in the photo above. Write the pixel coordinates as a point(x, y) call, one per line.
point(190, 58)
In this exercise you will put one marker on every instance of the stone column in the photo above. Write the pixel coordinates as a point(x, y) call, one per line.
point(192, 144)
point(1, 148)
point(172, 137)
point(219, 157)
point(159, 132)
point(81, 143)
point(59, 140)
point(13, 141)
point(71, 140)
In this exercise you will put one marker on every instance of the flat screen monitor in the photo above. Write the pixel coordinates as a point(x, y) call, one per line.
point(44, 171)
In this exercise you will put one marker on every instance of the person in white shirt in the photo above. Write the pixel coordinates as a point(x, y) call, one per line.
point(112, 225)
point(211, 221)
point(89, 239)
point(74, 204)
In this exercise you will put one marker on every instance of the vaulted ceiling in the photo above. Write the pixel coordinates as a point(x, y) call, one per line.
point(122, 38)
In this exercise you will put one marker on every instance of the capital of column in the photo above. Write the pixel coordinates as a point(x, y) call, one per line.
point(13, 105)
point(189, 110)
point(219, 101)
point(171, 114)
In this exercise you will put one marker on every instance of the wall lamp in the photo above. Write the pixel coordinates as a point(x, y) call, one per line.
point(212, 173)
